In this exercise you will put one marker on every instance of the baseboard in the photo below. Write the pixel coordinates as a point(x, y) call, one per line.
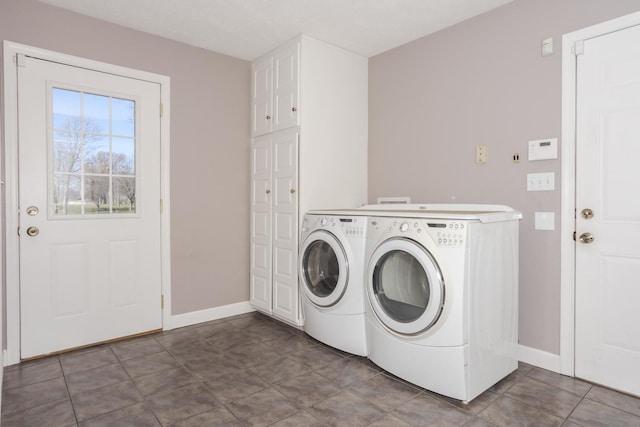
point(539, 358)
point(201, 316)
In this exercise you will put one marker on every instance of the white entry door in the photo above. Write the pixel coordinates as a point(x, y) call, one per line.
point(607, 347)
point(89, 196)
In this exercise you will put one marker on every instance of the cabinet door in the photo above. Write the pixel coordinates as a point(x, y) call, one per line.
point(285, 225)
point(286, 73)
point(261, 195)
point(261, 96)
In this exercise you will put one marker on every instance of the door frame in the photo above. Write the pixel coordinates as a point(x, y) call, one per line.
point(11, 50)
point(568, 179)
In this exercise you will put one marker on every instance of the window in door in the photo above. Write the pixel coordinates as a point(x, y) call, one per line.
point(92, 154)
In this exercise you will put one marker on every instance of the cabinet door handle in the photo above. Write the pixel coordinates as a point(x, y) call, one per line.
point(268, 117)
point(294, 109)
point(268, 191)
point(293, 190)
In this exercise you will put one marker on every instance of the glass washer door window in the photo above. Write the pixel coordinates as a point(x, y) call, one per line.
point(405, 286)
point(323, 269)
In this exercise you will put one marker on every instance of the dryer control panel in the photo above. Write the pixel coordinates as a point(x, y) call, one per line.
point(443, 232)
point(350, 226)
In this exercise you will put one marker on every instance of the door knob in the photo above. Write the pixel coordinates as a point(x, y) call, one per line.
point(293, 190)
point(586, 238)
point(268, 117)
point(33, 231)
point(587, 213)
point(268, 191)
point(32, 210)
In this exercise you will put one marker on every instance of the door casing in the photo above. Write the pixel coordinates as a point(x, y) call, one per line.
point(11, 51)
point(568, 207)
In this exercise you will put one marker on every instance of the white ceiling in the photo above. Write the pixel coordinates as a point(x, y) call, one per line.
point(247, 29)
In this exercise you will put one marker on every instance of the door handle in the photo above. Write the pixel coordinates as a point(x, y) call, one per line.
point(586, 238)
point(33, 231)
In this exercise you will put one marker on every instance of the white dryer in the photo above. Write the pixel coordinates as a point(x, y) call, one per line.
point(331, 266)
point(442, 291)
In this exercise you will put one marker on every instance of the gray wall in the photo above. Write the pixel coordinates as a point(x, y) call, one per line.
point(483, 82)
point(209, 142)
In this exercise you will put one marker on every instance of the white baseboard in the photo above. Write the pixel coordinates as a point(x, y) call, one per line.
point(539, 358)
point(195, 317)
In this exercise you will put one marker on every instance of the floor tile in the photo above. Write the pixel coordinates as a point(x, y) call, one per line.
point(543, 396)
point(136, 347)
point(138, 415)
point(85, 360)
point(58, 413)
point(218, 417)
point(32, 395)
point(299, 419)
point(307, 390)
point(145, 365)
point(425, 410)
point(476, 405)
point(385, 392)
point(615, 399)
point(389, 420)
point(346, 409)
point(106, 399)
point(280, 369)
point(564, 382)
point(231, 386)
point(590, 413)
point(346, 372)
point(508, 412)
point(315, 357)
point(96, 378)
point(181, 404)
point(164, 381)
point(262, 408)
point(177, 337)
point(31, 372)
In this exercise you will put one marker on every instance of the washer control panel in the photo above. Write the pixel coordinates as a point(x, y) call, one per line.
point(350, 226)
point(443, 233)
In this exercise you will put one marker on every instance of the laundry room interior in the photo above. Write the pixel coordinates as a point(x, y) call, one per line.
point(472, 113)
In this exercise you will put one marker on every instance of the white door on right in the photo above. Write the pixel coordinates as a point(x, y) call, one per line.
point(607, 336)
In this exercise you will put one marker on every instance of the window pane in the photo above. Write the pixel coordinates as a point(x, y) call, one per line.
point(96, 113)
point(123, 117)
point(96, 195)
point(67, 151)
point(124, 156)
point(66, 195)
point(66, 108)
point(124, 195)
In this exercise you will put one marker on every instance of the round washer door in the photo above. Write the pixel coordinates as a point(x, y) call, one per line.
point(324, 269)
point(405, 286)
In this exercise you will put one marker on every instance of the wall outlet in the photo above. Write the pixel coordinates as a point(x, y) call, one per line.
point(541, 181)
point(481, 154)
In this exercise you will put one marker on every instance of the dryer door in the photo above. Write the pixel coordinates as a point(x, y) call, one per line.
point(405, 286)
point(324, 269)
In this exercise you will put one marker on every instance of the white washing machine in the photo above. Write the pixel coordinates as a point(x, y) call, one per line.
point(331, 267)
point(442, 290)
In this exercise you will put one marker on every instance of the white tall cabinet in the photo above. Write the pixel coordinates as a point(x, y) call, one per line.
point(309, 151)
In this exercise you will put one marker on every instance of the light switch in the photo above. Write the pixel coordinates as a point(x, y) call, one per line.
point(541, 181)
point(545, 221)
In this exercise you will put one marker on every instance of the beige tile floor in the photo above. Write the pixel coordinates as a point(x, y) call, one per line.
point(252, 371)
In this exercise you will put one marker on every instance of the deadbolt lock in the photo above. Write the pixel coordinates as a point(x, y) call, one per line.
point(587, 213)
point(32, 210)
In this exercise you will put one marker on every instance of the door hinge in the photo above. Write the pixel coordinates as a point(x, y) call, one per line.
point(18, 231)
point(161, 206)
point(161, 109)
point(578, 47)
point(574, 236)
point(162, 302)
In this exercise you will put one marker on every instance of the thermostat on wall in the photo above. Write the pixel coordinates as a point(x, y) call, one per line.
point(543, 149)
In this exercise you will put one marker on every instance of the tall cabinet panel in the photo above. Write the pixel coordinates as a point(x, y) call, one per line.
point(309, 151)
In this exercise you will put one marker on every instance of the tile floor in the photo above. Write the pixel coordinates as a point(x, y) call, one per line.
point(249, 370)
